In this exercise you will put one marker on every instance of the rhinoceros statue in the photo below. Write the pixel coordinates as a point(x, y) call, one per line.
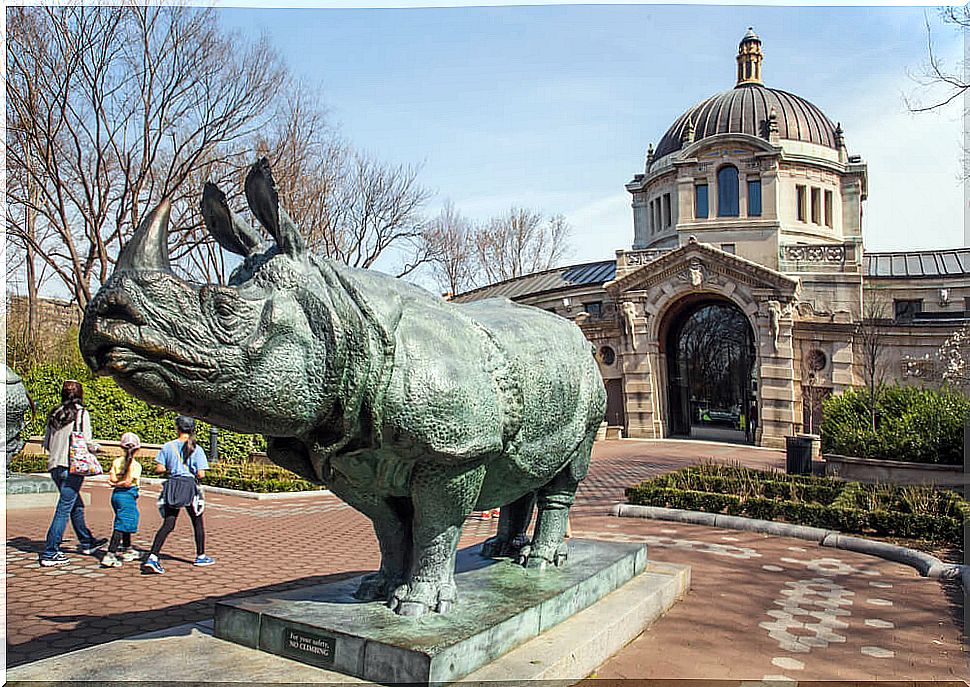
point(18, 403)
point(413, 410)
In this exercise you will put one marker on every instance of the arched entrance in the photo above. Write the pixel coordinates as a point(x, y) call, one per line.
point(711, 384)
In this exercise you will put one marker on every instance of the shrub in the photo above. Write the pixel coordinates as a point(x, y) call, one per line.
point(113, 411)
point(245, 477)
point(912, 511)
point(913, 424)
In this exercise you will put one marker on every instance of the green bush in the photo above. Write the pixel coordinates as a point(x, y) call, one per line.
point(113, 412)
point(245, 477)
point(914, 512)
point(913, 424)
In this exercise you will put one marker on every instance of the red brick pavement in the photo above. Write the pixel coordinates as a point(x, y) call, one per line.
point(263, 546)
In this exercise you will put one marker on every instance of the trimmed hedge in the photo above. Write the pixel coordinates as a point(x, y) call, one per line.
point(262, 479)
point(912, 424)
point(883, 510)
point(113, 412)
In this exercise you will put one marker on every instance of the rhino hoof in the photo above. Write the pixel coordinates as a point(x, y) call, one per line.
point(411, 609)
point(423, 597)
point(504, 548)
point(540, 558)
point(494, 547)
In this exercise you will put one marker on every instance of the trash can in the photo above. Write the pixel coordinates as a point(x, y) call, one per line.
point(798, 455)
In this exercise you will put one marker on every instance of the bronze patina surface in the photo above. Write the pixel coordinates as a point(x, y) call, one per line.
point(414, 410)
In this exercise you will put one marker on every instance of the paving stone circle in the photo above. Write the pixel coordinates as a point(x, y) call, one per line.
point(879, 602)
point(819, 599)
point(787, 663)
point(877, 652)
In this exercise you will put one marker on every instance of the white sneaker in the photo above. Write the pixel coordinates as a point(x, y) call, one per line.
point(109, 560)
point(129, 555)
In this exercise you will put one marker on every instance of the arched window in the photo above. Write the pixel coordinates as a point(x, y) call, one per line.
point(727, 191)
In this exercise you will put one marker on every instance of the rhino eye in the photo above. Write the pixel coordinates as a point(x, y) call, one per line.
point(228, 312)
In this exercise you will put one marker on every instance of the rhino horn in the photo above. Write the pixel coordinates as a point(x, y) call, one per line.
point(147, 249)
point(225, 226)
point(264, 201)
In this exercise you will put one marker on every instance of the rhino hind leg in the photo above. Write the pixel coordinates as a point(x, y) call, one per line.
point(442, 498)
point(548, 546)
point(393, 537)
point(513, 526)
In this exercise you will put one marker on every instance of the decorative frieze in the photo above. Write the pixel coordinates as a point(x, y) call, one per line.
point(815, 253)
point(636, 258)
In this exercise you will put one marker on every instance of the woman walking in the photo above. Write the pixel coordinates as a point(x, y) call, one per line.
point(124, 477)
point(185, 464)
point(70, 416)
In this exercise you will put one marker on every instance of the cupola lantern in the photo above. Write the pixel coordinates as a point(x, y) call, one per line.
point(749, 59)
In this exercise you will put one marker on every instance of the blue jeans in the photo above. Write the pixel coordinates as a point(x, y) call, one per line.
point(69, 505)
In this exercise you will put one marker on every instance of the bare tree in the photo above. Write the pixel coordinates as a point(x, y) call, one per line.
point(109, 108)
point(519, 242)
point(451, 240)
point(942, 83)
point(870, 338)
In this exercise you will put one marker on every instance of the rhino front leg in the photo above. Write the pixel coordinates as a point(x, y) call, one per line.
point(442, 498)
point(391, 520)
point(513, 526)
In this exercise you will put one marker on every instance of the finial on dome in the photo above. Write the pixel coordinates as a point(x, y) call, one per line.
point(840, 143)
point(749, 59)
point(773, 125)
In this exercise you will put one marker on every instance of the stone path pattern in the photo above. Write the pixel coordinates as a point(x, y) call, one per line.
point(760, 607)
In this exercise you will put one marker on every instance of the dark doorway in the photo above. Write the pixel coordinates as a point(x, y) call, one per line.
point(615, 415)
point(710, 372)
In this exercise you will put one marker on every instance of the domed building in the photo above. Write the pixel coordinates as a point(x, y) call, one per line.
point(740, 304)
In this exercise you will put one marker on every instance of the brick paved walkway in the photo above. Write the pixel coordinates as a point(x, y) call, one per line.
point(273, 545)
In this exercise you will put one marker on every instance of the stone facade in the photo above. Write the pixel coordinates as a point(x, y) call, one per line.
point(763, 215)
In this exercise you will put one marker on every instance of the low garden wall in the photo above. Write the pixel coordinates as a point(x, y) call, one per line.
point(873, 470)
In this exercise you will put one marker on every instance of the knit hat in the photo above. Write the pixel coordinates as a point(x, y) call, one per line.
point(130, 440)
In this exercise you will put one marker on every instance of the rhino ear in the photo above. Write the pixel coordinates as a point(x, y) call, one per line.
point(226, 227)
point(264, 201)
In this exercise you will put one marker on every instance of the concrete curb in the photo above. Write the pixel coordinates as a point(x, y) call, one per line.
point(925, 564)
point(256, 496)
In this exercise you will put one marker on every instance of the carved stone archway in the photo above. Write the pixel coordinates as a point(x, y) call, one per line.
point(763, 295)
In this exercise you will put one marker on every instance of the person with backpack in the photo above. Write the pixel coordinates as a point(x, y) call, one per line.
point(124, 476)
point(185, 463)
point(65, 420)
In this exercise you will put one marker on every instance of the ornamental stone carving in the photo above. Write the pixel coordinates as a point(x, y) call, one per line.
point(629, 321)
point(697, 274)
point(815, 253)
point(643, 257)
point(776, 311)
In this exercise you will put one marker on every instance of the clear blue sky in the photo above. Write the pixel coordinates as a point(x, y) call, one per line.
point(552, 107)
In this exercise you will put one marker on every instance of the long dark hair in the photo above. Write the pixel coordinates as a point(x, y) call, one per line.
point(72, 401)
point(130, 452)
point(186, 425)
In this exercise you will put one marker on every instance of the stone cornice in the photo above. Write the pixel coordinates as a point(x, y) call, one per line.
point(714, 260)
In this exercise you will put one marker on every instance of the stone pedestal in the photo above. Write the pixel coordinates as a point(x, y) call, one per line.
point(34, 491)
point(501, 606)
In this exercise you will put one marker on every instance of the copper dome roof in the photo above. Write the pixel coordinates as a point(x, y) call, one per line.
point(744, 109)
